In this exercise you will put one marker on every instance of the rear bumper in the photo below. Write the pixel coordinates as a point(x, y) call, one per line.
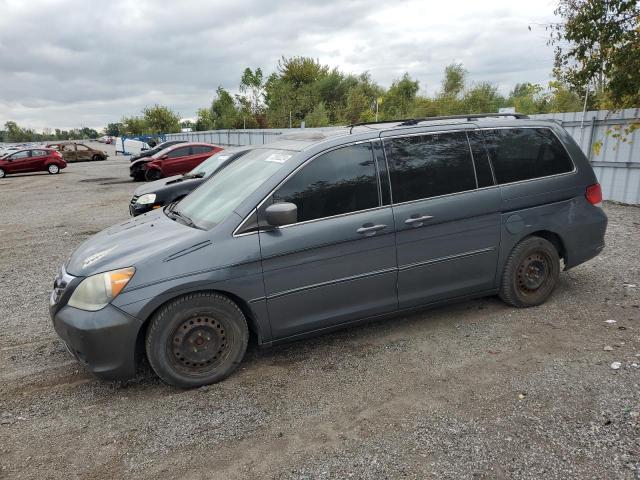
point(104, 341)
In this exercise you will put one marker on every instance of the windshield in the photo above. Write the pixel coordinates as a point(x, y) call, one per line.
point(213, 163)
point(209, 204)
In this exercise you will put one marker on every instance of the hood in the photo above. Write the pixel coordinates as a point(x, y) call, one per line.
point(152, 187)
point(132, 242)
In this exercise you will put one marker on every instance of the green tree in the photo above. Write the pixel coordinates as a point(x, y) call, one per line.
point(598, 47)
point(113, 129)
point(482, 98)
point(454, 80)
point(133, 126)
point(252, 85)
point(318, 117)
point(161, 119)
point(224, 112)
point(399, 101)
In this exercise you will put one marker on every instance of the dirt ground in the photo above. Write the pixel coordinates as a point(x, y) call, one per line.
point(472, 390)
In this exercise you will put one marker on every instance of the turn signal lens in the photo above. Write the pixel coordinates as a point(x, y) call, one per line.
point(594, 194)
point(119, 279)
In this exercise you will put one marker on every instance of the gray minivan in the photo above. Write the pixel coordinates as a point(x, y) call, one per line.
point(322, 229)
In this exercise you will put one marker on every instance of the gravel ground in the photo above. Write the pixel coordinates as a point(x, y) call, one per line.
point(472, 390)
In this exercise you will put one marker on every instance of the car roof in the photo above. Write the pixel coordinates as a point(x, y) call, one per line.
point(302, 140)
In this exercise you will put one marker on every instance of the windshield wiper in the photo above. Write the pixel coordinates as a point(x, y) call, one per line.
point(184, 218)
point(194, 175)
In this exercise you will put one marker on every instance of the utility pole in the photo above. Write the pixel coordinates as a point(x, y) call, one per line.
point(289, 118)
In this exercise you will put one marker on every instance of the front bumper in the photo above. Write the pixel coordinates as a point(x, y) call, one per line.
point(105, 341)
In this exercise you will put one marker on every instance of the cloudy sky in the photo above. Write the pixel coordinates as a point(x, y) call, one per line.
point(72, 63)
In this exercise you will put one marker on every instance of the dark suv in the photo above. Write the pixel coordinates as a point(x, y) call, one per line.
point(319, 230)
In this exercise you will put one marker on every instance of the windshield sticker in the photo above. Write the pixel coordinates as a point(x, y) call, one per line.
point(277, 158)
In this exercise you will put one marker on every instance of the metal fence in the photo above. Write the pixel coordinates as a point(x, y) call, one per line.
point(616, 161)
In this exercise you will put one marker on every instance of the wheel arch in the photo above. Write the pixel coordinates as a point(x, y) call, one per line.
point(243, 305)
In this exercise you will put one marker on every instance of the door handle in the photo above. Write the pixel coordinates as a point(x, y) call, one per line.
point(417, 221)
point(370, 229)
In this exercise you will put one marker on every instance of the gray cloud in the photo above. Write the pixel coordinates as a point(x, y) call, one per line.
point(70, 63)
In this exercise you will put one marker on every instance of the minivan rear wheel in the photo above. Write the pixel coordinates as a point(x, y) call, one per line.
point(531, 273)
point(197, 339)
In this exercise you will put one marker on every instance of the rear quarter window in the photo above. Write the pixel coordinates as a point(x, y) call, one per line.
point(526, 153)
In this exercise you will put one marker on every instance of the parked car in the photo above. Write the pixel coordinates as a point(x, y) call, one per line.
point(78, 152)
point(316, 231)
point(162, 192)
point(138, 161)
point(178, 159)
point(31, 160)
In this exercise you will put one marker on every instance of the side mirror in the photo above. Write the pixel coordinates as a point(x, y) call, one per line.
point(164, 157)
point(280, 214)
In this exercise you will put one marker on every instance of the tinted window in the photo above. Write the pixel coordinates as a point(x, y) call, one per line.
point(340, 181)
point(429, 165)
point(179, 152)
point(195, 150)
point(525, 153)
point(480, 160)
point(39, 153)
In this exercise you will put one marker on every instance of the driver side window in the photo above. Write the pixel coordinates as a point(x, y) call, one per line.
point(20, 155)
point(337, 182)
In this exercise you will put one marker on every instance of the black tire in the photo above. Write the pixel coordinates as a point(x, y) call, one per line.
point(197, 339)
point(2, 173)
point(531, 273)
point(97, 158)
point(153, 174)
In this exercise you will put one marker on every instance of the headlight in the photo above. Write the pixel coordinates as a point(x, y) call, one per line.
point(146, 199)
point(97, 291)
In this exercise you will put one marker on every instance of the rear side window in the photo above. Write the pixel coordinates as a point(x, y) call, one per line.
point(341, 181)
point(427, 166)
point(197, 149)
point(39, 153)
point(525, 153)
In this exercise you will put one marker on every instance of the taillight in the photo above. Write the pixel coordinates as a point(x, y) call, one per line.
point(594, 194)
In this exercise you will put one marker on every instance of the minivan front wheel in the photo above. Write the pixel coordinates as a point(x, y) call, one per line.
point(197, 339)
point(531, 273)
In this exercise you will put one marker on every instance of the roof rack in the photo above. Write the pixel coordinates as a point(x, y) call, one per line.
point(414, 121)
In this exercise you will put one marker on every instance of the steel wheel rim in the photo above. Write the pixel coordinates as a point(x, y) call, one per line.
point(53, 168)
point(534, 273)
point(199, 345)
point(1, 173)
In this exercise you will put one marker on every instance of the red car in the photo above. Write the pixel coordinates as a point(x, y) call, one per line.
point(32, 160)
point(178, 159)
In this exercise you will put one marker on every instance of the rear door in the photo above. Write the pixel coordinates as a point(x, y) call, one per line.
point(338, 262)
point(83, 152)
point(446, 214)
point(199, 153)
point(39, 159)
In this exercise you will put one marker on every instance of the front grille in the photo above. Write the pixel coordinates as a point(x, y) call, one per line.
point(134, 199)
